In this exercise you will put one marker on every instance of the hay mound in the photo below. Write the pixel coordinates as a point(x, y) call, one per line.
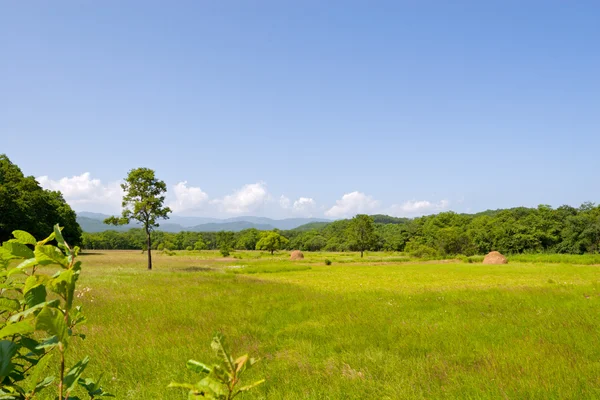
point(296, 255)
point(495, 258)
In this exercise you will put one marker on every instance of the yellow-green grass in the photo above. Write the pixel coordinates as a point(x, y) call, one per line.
point(361, 329)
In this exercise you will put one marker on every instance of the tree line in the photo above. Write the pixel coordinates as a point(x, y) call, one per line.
point(564, 229)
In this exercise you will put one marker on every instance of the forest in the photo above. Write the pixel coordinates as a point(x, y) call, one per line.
point(565, 229)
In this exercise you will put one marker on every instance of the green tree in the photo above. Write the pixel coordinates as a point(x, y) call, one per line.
point(143, 201)
point(361, 232)
point(271, 241)
point(200, 245)
point(24, 204)
point(225, 242)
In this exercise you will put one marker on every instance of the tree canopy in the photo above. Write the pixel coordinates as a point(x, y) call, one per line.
point(143, 201)
point(25, 205)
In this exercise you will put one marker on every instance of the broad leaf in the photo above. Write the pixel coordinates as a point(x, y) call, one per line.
point(253, 385)
point(18, 250)
point(74, 374)
point(7, 304)
point(52, 321)
point(18, 328)
point(218, 346)
point(32, 310)
point(48, 254)
point(35, 296)
point(58, 235)
point(198, 367)
point(24, 237)
point(7, 351)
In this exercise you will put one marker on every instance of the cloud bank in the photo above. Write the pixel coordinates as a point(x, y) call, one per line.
point(85, 193)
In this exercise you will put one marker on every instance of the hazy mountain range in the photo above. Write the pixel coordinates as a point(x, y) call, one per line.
point(92, 222)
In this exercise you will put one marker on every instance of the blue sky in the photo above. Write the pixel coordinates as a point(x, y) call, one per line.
point(282, 108)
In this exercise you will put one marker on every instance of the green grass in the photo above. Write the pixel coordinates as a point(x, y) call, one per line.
point(583, 259)
point(375, 328)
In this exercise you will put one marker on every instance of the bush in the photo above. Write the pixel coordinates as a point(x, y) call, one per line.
point(189, 248)
point(40, 318)
point(225, 251)
point(327, 261)
point(421, 250)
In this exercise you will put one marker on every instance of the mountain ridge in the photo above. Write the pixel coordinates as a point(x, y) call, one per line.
point(92, 222)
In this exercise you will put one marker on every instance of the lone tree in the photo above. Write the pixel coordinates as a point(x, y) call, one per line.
point(271, 241)
point(361, 232)
point(143, 202)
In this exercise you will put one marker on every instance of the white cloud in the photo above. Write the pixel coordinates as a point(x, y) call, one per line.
point(84, 193)
point(304, 206)
point(249, 198)
point(351, 204)
point(284, 202)
point(187, 198)
point(417, 207)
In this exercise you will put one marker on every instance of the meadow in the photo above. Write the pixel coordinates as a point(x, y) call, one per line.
point(382, 327)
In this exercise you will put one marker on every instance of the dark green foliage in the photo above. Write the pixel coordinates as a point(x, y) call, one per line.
point(327, 261)
point(25, 205)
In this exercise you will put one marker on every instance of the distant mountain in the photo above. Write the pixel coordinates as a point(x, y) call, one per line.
point(230, 226)
point(93, 222)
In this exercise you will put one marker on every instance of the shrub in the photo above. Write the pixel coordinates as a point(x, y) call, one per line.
point(189, 248)
point(222, 380)
point(225, 251)
point(420, 250)
point(40, 319)
point(327, 261)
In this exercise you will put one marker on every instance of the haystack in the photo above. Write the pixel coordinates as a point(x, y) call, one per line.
point(495, 258)
point(296, 255)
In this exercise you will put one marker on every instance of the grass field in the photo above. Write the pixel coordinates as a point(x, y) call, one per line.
point(383, 327)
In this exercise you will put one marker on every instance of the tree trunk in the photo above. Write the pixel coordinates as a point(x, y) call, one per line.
point(272, 251)
point(148, 245)
point(361, 253)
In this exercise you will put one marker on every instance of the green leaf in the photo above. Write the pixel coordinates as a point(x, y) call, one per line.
point(7, 304)
point(18, 250)
point(36, 382)
point(218, 345)
point(71, 378)
point(33, 282)
point(211, 386)
point(48, 239)
point(24, 237)
point(32, 310)
point(198, 367)
point(18, 328)
point(30, 262)
point(253, 385)
point(181, 385)
point(35, 296)
point(48, 254)
point(52, 321)
point(48, 343)
point(58, 235)
point(7, 351)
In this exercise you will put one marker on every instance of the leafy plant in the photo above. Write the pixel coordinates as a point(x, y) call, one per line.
point(222, 380)
point(29, 312)
point(327, 261)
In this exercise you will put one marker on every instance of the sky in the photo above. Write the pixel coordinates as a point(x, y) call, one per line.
point(306, 108)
